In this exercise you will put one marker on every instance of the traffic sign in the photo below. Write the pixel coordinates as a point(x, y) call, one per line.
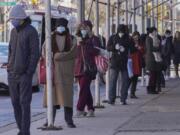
point(7, 4)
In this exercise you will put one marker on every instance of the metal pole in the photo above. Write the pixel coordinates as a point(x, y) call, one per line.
point(171, 16)
point(117, 24)
point(152, 18)
point(5, 23)
point(143, 31)
point(126, 11)
point(157, 13)
point(107, 37)
point(143, 17)
point(117, 14)
point(97, 88)
point(134, 16)
point(81, 8)
point(147, 15)
point(49, 64)
point(162, 17)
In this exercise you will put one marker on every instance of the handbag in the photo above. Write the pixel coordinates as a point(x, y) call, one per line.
point(101, 63)
point(42, 70)
point(88, 68)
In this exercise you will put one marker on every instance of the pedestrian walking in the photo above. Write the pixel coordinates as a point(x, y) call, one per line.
point(22, 62)
point(176, 50)
point(153, 61)
point(137, 58)
point(85, 67)
point(166, 50)
point(119, 45)
point(64, 54)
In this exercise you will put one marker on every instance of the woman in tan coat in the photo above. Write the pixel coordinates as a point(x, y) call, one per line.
point(64, 53)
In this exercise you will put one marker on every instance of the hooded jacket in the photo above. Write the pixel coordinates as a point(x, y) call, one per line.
point(23, 49)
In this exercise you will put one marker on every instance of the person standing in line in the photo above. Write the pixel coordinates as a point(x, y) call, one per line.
point(64, 54)
point(176, 50)
point(153, 61)
point(120, 45)
point(85, 67)
point(137, 58)
point(167, 46)
point(22, 62)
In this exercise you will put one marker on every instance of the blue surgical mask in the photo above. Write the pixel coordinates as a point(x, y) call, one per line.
point(61, 29)
point(84, 33)
point(16, 22)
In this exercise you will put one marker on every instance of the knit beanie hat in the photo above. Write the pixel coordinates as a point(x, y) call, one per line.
point(88, 23)
point(121, 28)
point(17, 12)
point(62, 22)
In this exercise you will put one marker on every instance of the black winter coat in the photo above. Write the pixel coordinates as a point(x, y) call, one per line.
point(119, 59)
point(23, 49)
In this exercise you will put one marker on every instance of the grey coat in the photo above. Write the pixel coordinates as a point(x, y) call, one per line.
point(23, 50)
point(151, 64)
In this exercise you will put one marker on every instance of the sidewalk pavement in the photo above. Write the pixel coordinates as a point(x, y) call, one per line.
point(148, 115)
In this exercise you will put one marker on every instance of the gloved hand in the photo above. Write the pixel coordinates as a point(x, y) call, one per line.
point(117, 46)
point(122, 49)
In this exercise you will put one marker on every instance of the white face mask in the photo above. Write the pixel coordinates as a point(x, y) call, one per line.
point(60, 29)
point(121, 34)
point(84, 33)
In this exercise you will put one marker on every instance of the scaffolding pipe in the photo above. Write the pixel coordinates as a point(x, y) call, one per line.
point(152, 12)
point(126, 12)
point(81, 9)
point(49, 64)
point(107, 37)
point(117, 13)
point(97, 88)
point(143, 17)
point(134, 16)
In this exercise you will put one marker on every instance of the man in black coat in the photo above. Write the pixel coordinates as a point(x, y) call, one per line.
point(22, 63)
point(120, 46)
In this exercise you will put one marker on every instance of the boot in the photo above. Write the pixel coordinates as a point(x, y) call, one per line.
point(68, 117)
point(151, 90)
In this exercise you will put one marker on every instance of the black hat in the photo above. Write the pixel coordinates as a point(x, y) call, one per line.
point(121, 28)
point(62, 22)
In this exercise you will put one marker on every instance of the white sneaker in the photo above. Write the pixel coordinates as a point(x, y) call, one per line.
point(90, 113)
point(80, 114)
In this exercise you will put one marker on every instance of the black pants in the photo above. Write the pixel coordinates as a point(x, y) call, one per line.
point(155, 81)
point(68, 114)
point(20, 88)
point(134, 81)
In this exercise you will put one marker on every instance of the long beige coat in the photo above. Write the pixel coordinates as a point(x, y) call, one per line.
point(63, 78)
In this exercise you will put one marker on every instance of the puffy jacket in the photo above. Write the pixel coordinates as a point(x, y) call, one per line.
point(23, 49)
point(119, 60)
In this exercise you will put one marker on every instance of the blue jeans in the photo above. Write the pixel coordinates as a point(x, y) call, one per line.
point(114, 73)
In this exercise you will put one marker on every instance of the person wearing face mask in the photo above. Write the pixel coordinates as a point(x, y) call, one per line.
point(120, 45)
point(137, 58)
point(176, 52)
point(86, 58)
point(153, 61)
point(64, 53)
point(22, 62)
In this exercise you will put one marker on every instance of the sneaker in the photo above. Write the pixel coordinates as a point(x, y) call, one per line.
point(111, 103)
point(90, 113)
point(71, 125)
point(81, 114)
point(123, 103)
point(133, 96)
